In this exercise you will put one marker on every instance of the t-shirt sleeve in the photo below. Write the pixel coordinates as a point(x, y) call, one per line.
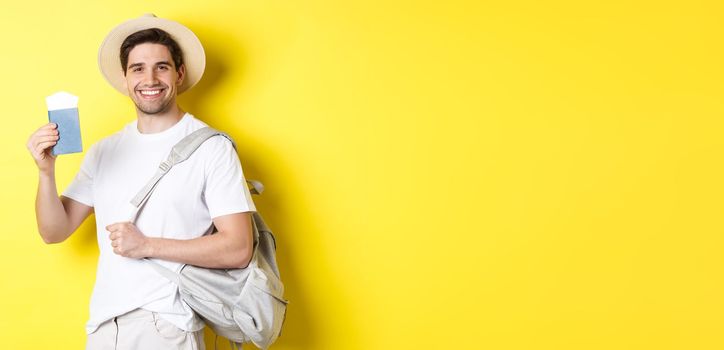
point(81, 188)
point(226, 191)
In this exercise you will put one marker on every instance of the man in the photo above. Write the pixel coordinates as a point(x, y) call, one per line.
point(151, 60)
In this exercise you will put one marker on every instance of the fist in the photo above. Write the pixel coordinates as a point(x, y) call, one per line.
point(127, 240)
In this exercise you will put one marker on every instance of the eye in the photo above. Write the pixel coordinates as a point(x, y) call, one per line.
point(163, 67)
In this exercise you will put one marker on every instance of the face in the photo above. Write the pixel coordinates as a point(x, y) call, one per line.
point(151, 78)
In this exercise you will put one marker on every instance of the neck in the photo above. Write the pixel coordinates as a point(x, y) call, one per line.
point(155, 123)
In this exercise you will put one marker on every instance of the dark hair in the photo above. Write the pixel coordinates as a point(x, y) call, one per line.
point(154, 36)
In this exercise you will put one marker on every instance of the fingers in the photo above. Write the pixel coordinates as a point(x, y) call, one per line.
point(42, 146)
point(47, 127)
point(117, 226)
point(43, 135)
point(43, 143)
point(115, 230)
point(47, 138)
point(50, 126)
point(42, 139)
point(45, 130)
point(116, 242)
point(117, 248)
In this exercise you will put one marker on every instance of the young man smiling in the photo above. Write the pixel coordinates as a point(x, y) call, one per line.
point(151, 60)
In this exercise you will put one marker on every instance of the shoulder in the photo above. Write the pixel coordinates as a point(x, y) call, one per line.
point(214, 144)
point(217, 147)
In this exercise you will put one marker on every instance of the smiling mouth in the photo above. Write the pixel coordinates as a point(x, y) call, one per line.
point(150, 94)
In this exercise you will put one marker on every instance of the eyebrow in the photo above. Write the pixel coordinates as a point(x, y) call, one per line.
point(159, 63)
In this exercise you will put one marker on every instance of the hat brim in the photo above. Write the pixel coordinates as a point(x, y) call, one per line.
point(109, 60)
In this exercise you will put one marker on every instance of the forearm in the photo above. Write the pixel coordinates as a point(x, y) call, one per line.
point(219, 250)
point(50, 213)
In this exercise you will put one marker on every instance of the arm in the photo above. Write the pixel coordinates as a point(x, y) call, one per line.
point(231, 247)
point(57, 217)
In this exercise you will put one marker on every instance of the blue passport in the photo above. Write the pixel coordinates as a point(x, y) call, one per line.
point(68, 131)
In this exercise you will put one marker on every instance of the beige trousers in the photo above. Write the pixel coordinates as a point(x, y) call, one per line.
point(143, 330)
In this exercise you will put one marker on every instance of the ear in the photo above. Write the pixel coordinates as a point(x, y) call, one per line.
point(181, 74)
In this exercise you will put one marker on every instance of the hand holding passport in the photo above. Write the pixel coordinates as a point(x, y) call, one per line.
point(60, 136)
point(63, 112)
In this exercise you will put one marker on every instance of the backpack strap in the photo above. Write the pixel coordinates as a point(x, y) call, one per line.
point(179, 153)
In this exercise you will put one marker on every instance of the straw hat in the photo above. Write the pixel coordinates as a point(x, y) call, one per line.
point(109, 60)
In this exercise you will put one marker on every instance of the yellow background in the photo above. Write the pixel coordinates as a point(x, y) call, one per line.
point(452, 174)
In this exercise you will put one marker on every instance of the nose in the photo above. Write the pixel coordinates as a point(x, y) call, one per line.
point(150, 77)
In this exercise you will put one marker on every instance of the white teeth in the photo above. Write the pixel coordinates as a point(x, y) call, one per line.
point(151, 92)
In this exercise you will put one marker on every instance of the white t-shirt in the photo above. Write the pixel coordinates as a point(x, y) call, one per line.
point(207, 185)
